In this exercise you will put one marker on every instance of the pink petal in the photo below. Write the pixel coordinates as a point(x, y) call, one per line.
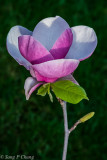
point(12, 44)
point(40, 77)
point(48, 30)
point(56, 68)
point(62, 44)
point(30, 86)
point(84, 43)
point(33, 50)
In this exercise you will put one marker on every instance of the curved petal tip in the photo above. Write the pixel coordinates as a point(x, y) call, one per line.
point(30, 86)
point(84, 43)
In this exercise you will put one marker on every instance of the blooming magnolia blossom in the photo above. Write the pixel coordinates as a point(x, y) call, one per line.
point(52, 51)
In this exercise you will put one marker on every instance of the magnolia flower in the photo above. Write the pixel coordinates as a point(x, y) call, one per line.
point(53, 50)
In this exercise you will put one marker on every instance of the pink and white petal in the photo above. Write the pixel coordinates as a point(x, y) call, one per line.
point(30, 86)
point(32, 50)
point(62, 44)
point(56, 68)
point(40, 77)
point(12, 44)
point(84, 43)
point(48, 30)
point(69, 78)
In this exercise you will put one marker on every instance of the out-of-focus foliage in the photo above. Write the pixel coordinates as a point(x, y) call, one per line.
point(35, 127)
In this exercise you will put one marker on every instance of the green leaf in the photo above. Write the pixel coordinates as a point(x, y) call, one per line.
point(68, 91)
point(48, 88)
point(43, 89)
point(51, 97)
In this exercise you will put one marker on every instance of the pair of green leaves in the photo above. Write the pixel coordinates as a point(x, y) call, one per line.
point(65, 90)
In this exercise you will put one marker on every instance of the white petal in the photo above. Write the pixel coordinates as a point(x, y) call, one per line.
point(49, 29)
point(84, 43)
point(30, 85)
point(12, 44)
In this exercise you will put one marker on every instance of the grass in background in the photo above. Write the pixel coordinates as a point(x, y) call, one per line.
point(35, 127)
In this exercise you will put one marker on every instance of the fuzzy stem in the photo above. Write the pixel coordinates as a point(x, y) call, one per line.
point(63, 104)
point(67, 131)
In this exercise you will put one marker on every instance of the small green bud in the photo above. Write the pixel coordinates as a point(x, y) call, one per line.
point(87, 117)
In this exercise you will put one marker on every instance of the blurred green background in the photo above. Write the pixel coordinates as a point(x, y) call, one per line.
point(35, 127)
